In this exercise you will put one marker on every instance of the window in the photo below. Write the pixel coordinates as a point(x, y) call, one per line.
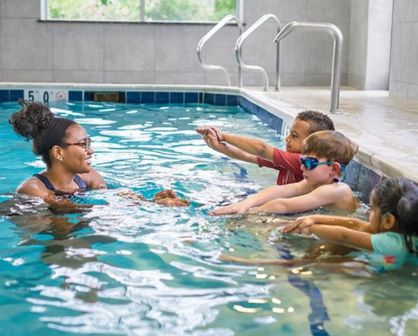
point(138, 10)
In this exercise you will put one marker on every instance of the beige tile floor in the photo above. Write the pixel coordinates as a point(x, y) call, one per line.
point(385, 128)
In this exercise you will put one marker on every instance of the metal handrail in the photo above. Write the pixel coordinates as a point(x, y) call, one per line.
point(223, 22)
point(238, 51)
point(337, 35)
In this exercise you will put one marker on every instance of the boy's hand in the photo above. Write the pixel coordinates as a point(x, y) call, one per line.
point(213, 142)
point(210, 130)
point(229, 210)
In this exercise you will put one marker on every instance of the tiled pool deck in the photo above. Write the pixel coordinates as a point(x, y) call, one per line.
point(385, 128)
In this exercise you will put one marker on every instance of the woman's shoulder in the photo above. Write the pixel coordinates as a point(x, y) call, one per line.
point(33, 186)
point(93, 179)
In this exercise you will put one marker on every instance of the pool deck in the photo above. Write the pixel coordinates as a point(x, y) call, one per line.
point(384, 127)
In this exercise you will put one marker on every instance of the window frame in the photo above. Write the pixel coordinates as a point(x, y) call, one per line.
point(239, 13)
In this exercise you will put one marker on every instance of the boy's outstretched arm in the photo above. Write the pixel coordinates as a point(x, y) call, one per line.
point(262, 197)
point(325, 195)
point(229, 150)
point(248, 145)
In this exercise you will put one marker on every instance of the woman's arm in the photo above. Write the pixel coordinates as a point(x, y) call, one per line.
point(34, 187)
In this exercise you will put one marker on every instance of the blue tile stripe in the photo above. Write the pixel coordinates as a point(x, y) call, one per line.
point(11, 95)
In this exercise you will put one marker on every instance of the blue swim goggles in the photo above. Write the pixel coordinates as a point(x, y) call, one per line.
point(311, 163)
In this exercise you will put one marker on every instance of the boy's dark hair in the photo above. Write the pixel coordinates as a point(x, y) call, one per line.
point(399, 196)
point(36, 122)
point(330, 145)
point(318, 121)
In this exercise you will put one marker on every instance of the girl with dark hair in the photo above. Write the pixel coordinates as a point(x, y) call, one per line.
point(391, 234)
point(386, 242)
point(64, 147)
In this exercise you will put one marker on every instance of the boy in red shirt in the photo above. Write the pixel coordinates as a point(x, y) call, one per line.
point(257, 151)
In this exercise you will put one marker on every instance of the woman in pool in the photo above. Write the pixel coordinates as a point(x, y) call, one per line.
point(64, 147)
point(66, 150)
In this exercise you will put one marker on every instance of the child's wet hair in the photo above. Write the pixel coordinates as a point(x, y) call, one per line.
point(399, 197)
point(318, 121)
point(330, 145)
point(36, 122)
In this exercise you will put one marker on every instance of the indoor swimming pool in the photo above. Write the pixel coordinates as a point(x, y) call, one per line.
point(131, 268)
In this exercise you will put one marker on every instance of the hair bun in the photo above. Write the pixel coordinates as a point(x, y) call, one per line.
point(31, 120)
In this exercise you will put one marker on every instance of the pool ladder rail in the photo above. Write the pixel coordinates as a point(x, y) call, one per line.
point(222, 23)
point(238, 51)
point(329, 28)
point(337, 35)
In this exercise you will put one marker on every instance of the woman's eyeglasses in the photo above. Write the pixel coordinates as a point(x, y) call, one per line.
point(311, 163)
point(85, 144)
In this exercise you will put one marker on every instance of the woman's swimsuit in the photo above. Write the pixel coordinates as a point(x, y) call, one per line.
point(82, 185)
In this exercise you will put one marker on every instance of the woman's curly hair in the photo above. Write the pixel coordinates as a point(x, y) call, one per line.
point(36, 122)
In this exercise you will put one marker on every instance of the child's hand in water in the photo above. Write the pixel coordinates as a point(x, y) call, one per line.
point(232, 209)
point(300, 225)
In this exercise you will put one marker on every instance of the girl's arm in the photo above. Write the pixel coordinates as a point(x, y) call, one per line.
point(349, 222)
point(342, 235)
point(262, 197)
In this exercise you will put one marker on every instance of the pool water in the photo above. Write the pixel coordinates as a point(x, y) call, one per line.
point(142, 269)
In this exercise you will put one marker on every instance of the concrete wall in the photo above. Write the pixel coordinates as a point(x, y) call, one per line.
point(404, 55)
point(33, 51)
point(369, 51)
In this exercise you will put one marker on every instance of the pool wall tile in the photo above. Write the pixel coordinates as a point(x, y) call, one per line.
point(351, 174)
point(133, 97)
point(4, 95)
point(75, 95)
point(162, 97)
point(147, 97)
point(231, 100)
point(88, 95)
point(220, 99)
point(247, 105)
point(16, 94)
point(191, 97)
point(176, 97)
point(209, 98)
point(367, 179)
